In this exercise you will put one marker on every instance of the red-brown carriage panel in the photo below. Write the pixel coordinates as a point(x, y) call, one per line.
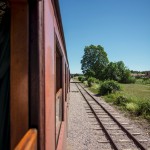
point(19, 71)
point(49, 76)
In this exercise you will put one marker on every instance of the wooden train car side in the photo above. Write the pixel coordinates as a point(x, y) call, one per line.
point(39, 76)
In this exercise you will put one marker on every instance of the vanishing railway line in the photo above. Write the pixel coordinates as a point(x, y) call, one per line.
point(115, 132)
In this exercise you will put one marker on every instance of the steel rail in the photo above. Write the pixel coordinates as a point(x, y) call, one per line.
point(98, 120)
point(137, 143)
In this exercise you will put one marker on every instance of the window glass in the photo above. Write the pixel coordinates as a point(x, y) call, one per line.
point(59, 94)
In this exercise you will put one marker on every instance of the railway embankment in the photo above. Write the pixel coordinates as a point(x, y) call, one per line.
point(84, 131)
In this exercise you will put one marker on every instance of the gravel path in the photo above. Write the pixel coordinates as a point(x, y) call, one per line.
point(83, 133)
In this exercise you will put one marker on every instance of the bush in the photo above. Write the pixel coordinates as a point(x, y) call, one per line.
point(121, 100)
point(132, 107)
point(128, 79)
point(80, 78)
point(144, 107)
point(139, 81)
point(83, 79)
point(146, 81)
point(90, 81)
point(85, 83)
point(108, 87)
point(131, 80)
point(97, 81)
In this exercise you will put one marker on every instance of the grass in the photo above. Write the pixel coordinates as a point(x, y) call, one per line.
point(145, 81)
point(133, 98)
point(94, 88)
point(136, 90)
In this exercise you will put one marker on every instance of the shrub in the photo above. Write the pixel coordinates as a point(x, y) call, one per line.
point(144, 107)
point(96, 81)
point(139, 81)
point(128, 79)
point(80, 78)
point(131, 80)
point(90, 81)
point(83, 79)
point(109, 86)
point(132, 107)
point(85, 83)
point(121, 100)
point(146, 81)
point(111, 97)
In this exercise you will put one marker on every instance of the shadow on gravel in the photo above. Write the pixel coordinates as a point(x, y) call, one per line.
point(97, 95)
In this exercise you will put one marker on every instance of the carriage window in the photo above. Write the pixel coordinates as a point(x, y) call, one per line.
point(66, 85)
point(59, 95)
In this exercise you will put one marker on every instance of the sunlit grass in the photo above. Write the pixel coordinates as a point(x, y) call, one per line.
point(134, 98)
point(136, 90)
point(95, 88)
point(137, 99)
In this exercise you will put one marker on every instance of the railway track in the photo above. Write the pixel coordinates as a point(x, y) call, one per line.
point(115, 131)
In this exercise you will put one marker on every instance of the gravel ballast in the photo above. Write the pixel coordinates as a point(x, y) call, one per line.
point(82, 134)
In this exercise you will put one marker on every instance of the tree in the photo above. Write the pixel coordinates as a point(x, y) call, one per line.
point(94, 61)
point(119, 72)
point(111, 72)
point(124, 72)
point(89, 73)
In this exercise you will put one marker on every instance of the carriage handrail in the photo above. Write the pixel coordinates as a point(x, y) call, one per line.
point(29, 141)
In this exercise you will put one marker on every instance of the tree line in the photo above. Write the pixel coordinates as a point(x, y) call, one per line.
point(95, 63)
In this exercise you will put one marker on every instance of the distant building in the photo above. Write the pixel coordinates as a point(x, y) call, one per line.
point(140, 75)
point(147, 74)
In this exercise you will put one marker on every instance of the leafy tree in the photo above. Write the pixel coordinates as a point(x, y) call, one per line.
point(124, 72)
point(89, 73)
point(111, 72)
point(119, 72)
point(94, 61)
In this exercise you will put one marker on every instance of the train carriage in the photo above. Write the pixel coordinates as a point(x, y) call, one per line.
point(34, 75)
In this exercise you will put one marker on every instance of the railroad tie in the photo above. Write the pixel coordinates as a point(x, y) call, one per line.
point(118, 133)
point(104, 116)
point(91, 117)
point(128, 128)
point(108, 123)
point(113, 129)
point(103, 141)
point(114, 113)
point(136, 133)
point(117, 116)
point(97, 129)
point(143, 140)
point(124, 140)
point(124, 123)
point(99, 113)
point(95, 124)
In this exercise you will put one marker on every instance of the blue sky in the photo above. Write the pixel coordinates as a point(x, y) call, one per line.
point(122, 27)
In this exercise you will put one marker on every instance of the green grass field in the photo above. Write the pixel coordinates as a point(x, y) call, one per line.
point(136, 90)
point(133, 98)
